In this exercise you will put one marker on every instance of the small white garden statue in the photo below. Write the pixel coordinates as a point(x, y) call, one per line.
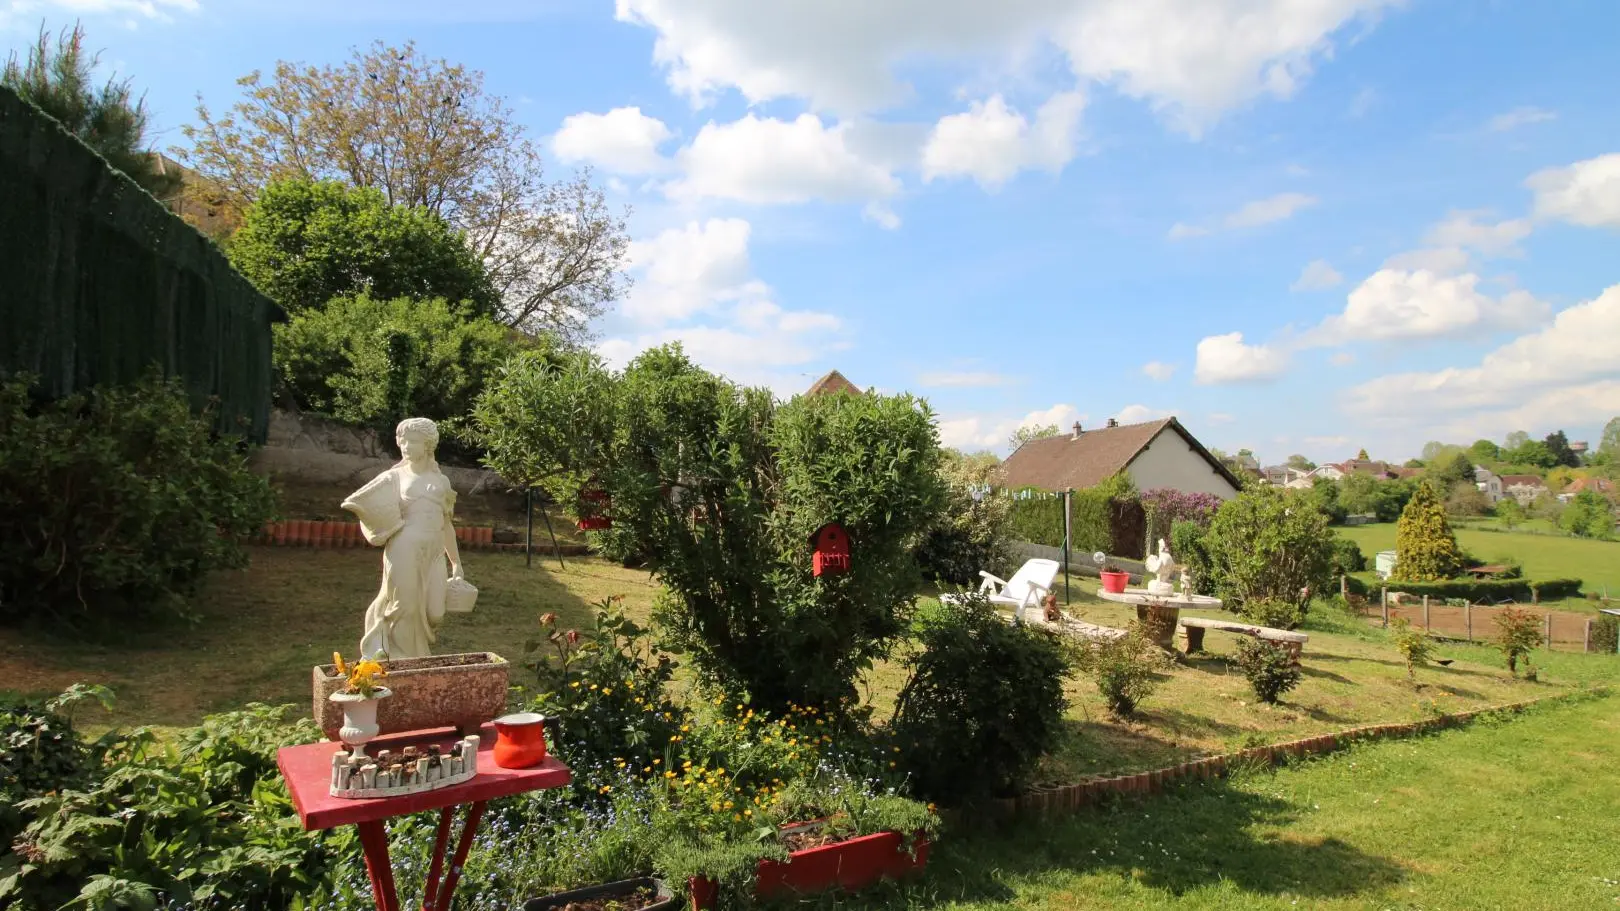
point(1163, 567)
point(406, 511)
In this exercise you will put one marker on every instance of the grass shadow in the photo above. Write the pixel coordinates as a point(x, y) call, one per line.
point(1309, 671)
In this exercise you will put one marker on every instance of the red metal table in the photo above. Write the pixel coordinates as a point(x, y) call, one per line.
point(307, 769)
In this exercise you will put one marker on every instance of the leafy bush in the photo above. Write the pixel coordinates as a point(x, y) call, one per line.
point(1167, 507)
point(1126, 669)
point(984, 701)
point(203, 821)
point(1490, 591)
point(1588, 515)
point(1605, 633)
point(1100, 518)
point(970, 534)
point(1270, 545)
point(372, 361)
point(117, 502)
point(1363, 494)
point(1269, 668)
point(1425, 548)
point(1413, 644)
point(40, 752)
point(1518, 633)
point(1347, 557)
point(1272, 612)
point(1187, 542)
point(304, 243)
point(609, 688)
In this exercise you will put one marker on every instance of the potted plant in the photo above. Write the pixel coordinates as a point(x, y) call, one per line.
point(1114, 579)
point(362, 690)
point(644, 894)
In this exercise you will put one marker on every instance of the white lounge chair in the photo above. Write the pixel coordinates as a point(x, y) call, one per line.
point(1026, 589)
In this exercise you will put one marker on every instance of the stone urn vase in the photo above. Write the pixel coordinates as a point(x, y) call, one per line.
point(359, 717)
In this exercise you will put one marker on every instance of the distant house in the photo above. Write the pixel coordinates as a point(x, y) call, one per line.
point(1602, 486)
point(1330, 471)
point(1523, 487)
point(833, 382)
point(1488, 483)
point(1282, 475)
point(1156, 454)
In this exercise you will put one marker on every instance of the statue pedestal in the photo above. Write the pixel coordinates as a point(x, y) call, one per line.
point(1160, 589)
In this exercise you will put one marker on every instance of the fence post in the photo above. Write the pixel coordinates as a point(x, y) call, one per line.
point(1344, 587)
point(1549, 631)
point(1587, 645)
point(1425, 613)
point(1468, 619)
point(1383, 601)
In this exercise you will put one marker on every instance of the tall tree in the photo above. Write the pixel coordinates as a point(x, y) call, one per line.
point(1453, 470)
point(110, 119)
point(426, 133)
point(1362, 455)
point(1031, 433)
point(1299, 463)
point(1485, 451)
point(1558, 445)
point(304, 243)
point(1425, 548)
point(1515, 440)
point(1610, 441)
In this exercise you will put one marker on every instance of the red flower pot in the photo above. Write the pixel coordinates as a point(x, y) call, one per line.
point(520, 740)
point(1115, 582)
point(849, 865)
point(279, 532)
point(486, 535)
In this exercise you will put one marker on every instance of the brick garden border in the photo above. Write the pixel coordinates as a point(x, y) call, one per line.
point(339, 535)
point(1070, 798)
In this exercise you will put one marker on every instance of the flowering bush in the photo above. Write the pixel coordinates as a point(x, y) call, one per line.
point(1166, 506)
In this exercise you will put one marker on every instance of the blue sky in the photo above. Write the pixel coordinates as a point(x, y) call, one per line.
point(1299, 225)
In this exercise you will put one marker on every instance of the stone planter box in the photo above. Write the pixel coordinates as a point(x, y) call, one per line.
point(662, 899)
point(441, 691)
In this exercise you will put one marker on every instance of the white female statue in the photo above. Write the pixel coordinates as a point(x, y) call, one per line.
point(406, 510)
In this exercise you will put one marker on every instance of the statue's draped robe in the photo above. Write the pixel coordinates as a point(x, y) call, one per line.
point(408, 514)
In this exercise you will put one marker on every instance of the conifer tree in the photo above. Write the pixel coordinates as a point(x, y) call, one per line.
point(1425, 548)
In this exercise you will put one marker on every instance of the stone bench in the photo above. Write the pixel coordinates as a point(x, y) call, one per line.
point(1194, 627)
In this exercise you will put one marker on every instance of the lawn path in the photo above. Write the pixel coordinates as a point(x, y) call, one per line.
point(1515, 814)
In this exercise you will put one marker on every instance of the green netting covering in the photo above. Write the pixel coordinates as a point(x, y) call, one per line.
point(98, 281)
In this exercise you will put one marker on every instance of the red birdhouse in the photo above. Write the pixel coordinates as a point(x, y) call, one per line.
point(831, 545)
point(594, 502)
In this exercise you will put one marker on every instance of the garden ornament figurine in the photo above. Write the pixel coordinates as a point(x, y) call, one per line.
point(1164, 567)
point(406, 511)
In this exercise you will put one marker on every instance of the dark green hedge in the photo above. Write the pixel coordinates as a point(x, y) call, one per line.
point(1489, 591)
point(1099, 520)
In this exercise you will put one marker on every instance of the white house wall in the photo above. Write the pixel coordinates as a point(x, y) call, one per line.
point(1167, 461)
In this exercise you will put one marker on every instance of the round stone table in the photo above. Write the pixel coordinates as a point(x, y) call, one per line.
point(1159, 614)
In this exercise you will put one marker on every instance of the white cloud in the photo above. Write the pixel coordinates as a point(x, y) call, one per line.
point(963, 379)
point(1317, 275)
point(1518, 117)
point(1136, 414)
point(16, 13)
point(769, 161)
point(1465, 230)
point(1227, 359)
point(983, 431)
point(1181, 231)
point(1190, 62)
point(1562, 367)
point(1342, 359)
point(1396, 304)
point(1271, 209)
point(1159, 370)
point(623, 140)
point(1439, 260)
point(685, 271)
point(991, 142)
point(1585, 193)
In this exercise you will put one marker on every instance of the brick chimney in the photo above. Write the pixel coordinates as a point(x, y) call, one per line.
point(1113, 423)
point(1076, 434)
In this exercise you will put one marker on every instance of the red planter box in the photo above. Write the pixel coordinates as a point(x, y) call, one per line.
point(849, 865)
point(1115, 582)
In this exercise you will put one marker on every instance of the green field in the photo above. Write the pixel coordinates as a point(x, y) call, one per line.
point(1596, 563)
point(1505, 814)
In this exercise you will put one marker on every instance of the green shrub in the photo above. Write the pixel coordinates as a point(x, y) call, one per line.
point(1126, 669)
point(1425, 548)
point(1413, 645)
point(372, 361)
point(1270, 544)
point(1187, 542)
point(1347, 557)
point(1518, 633)
point(970, 535)
point(1491, 591)
point(984, 701)
point(1269, 668)
point(40, 752)
point(1096, 517)
point(203, 820)
point(1588, 515)
point(1272, 612)
point(116, 503)
point(1605, 633)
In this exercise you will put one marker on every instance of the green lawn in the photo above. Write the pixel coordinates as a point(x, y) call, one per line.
point(1596, 563)
point(1511, 814)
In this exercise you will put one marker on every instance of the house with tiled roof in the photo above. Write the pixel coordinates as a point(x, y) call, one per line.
point(1156, 454)
point(1601, 486)
point(833, 382)
point(1523, 487)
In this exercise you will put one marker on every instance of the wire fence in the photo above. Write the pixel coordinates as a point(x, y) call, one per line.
point(1564, 630)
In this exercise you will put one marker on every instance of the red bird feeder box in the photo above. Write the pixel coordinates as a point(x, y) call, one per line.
point(593, 503)
point(831, 544)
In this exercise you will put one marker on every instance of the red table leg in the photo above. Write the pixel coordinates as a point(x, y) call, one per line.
point(440, 842)
point(374, 841)
point(468, 830)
